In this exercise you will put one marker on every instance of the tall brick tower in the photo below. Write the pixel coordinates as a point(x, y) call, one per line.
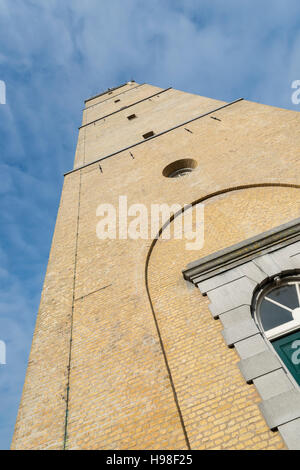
point(127, 352)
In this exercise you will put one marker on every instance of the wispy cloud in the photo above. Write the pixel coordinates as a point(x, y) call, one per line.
point(55, 54)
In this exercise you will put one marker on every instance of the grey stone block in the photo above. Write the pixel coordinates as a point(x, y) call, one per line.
point(251, 346)
point(240, 331)
point(235, 316)
point(249, 270)
point(281, 409)
point(217, 281)
point(231, 295)
point(278, 261)
point(294, 248)
point(258, 365)
point(295, 260)
point(290, 432)
point(272, 384)
point(268, 264)
point(283, 256)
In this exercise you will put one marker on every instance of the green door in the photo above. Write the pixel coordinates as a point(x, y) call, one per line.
point(288, 349)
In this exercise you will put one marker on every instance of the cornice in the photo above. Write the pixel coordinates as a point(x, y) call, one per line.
point(240, 253)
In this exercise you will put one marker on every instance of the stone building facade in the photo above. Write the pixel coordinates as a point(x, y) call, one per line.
point(128, 352)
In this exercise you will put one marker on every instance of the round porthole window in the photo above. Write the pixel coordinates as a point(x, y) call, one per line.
point(278, 307)
point(179, 168)
point(278, 316)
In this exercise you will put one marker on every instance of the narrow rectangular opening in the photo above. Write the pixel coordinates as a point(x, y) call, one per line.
point(132, 116)
point(148, 134)
point(117, 101)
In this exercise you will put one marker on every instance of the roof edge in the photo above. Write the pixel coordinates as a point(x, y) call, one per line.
point(240, 253)
point(108, 90)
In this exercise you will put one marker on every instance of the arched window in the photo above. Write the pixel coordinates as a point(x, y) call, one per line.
point(254, 289)
point(277, 313)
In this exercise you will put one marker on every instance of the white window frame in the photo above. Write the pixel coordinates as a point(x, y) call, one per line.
point(287, 327)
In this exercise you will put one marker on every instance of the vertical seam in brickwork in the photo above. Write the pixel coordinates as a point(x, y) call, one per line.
point(71, 323)
point(84, 136)
point(165, 354)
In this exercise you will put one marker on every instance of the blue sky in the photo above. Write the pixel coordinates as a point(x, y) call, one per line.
point(55, 54)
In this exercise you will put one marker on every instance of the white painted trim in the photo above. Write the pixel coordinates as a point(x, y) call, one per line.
point(283, 329)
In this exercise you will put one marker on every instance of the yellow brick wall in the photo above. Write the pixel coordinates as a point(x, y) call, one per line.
point(219, 408)
point(142, 375)
point(41, 417)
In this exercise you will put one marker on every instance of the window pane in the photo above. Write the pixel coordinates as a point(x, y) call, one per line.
point(271, 315)
point(285, 295)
